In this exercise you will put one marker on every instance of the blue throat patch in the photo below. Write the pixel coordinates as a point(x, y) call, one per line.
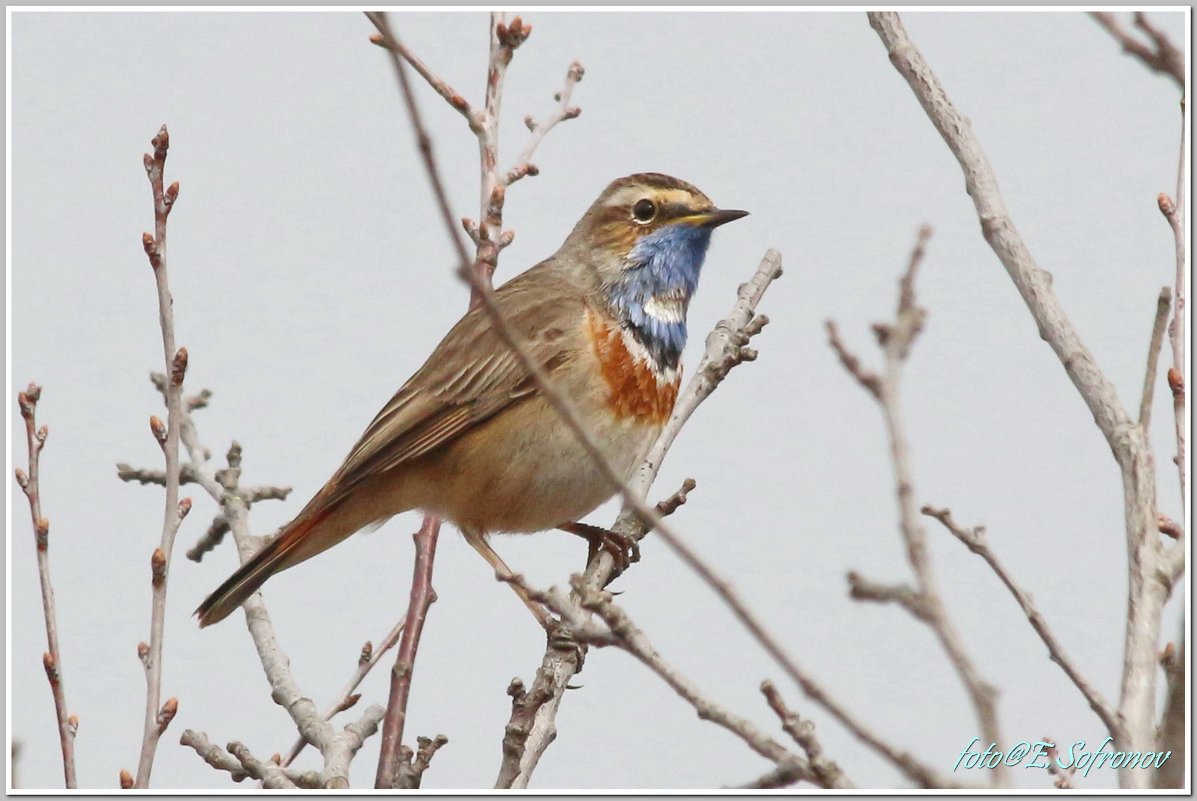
point(666, 263)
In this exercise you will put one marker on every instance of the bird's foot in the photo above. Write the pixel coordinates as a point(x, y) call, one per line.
point(623, 549)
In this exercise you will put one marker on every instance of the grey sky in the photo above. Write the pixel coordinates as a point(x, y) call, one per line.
point(311, 277)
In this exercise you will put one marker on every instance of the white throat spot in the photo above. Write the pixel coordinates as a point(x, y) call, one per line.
point(667, 309)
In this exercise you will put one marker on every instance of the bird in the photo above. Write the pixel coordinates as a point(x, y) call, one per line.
point(471, 438)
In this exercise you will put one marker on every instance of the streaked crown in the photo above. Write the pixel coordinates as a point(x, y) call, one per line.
point(639, 205)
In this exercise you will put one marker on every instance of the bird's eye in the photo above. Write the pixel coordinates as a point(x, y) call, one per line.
point(644, 210)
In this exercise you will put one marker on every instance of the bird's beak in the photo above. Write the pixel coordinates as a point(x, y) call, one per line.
point(713, 218)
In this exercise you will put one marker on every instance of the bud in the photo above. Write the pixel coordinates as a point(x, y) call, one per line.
point(167, 714)
point(1176, 382)
point(178, 367)
point(73, 724)
point(151, 250)
point(42, 533)
point(157, 567)
point(1166, 205)
point(172, 193)
point(161, 142)
point(51, 666)
point(126, 780)
point(367, 652)
point(158, 429)
point(143, 651)
point(184, 507)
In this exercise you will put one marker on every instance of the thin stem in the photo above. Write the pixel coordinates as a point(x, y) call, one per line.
point(976, 542)
point(1174, 212)
point(422, 597)
point(35, 439)
point(726, 347)
point(1147, 587)
point(1153, 359)
point(345, 699)
point(925, 601)
point(175, 360)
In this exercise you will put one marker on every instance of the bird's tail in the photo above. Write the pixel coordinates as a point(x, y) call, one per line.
point(295, 543)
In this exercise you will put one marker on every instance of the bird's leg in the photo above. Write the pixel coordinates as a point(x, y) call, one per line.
point(623, 548)
point(479, 543)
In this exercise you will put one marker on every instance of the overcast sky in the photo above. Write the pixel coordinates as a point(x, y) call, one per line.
point(311, 276)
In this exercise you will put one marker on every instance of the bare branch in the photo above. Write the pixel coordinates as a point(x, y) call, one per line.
point(487, 234)
point(863, 589)
point(214, 755)
point(423, 141)
point(176, 367)
point(827, 772)
point(924, 601)
point(422, 597)
point(412, 766)
point(1162, 56)
point(30, 484)
point(1174, 212)
point(337, 748)
point(622, 632)
point(564, 111)
point(1147, 592)
point(1172, 730)
point(725, 348)
point(370, 657)
point(1153, 358)
point(976, 541)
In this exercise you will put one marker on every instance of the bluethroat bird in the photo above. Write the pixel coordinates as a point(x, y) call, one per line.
point(471, 438)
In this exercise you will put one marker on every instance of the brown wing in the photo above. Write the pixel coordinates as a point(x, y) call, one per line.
point(470, 376)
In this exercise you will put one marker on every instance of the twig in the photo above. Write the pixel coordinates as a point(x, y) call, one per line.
point(29, 482)
point(1148, 585)
point(175, 510)
point(725, 349)
point(214, 755)
point(370, 656)
point(423, 140)
point(271, 775)
point(1162, 57)
point(487, 233)
point(1063, 777)
point(564, 111)
point(422, 597)
point(1174, 213)
point(1153, 358)
point(827, 772)
point(976, 541)
point(220, 526)
point(726, 346)
point(1173, 731)
point(488, 238)
point(910, 599)
point(336, 747)
point(412, 766)
point(620, 631)
point(925, 601)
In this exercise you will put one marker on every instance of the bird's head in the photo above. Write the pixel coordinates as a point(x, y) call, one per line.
point(646, 236)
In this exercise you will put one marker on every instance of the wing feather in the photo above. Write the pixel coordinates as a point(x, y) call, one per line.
point(470, 376)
